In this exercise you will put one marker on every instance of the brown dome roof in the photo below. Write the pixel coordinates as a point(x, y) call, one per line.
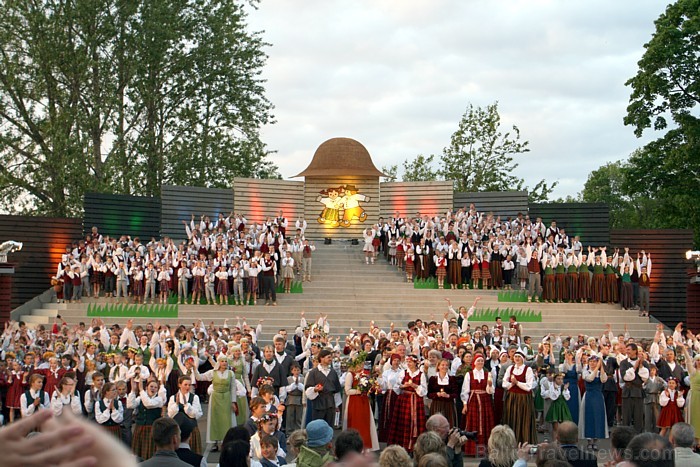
point(341, 157)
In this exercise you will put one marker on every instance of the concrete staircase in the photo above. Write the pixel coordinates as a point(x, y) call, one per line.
point(353, 293)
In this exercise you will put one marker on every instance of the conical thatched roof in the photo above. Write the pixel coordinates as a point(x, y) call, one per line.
point(341, 157)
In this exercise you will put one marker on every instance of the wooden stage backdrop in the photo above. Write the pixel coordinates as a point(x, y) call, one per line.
point(499, 203)
point(44, 241)
point(669, 280)
point(259, 199)
point(410, 197)
point(178, 203)
point(115, 215)
point(591, 221)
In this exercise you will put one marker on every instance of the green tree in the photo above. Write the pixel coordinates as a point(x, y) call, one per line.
point(609, 185)
point(480, 155)
point(391, 173)
point(667, 84)
point(123, 96)
point(419, 169)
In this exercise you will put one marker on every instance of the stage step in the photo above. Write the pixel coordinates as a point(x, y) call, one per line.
point(353, 293)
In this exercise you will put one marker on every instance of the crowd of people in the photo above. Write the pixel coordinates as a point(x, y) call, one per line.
point(468, 249)
point(383, 384)
point(428, 390)
point(226, 260)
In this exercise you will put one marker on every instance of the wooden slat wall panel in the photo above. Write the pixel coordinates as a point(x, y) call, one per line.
point(409, 197)
point(115, 215)
point(590, 221)
point(258, 199)
point(313, 208)
point(693, 307)
point(45, 240)
point(669, 280)
point(500, 203)
point(178, 203)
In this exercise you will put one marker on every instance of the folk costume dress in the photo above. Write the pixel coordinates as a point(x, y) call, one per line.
point(671, 402)
point(692, 409)
point(598, 290)
point(224, 391)
point(558, 410)
point(593, 419)
point(409, 412)
point(358, 412)
point(476, 395)
point(437, 388)
point(149, 410)
point(110, 420)
point(16, 385)
point(187, 405)
point(390, 382)
point(574, 401)
point(240, 369)
point(519, 407)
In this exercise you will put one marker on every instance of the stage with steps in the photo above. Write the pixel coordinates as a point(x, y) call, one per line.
point(353, 293)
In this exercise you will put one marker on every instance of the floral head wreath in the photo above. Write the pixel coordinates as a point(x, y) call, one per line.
point(412, 358)
point(264, 380)
point(268, 416)
point(358, 360)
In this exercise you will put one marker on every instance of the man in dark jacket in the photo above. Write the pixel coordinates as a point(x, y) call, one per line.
point(567, 433)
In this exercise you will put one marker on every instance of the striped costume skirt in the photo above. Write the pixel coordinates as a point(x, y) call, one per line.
point(611, 288)
point(408, 420)
point(198, 284)
point(549, 291)
point(222, 287)
point(400, 255)
point(496, 271)
point(164, 286)
point(142, 443)
point(410, 269)
point(446, 407)
point(480, 418)
point(584, 285)
point(441, 272)
point(114, 430)
point(253, 285)
point(485, 271)
point(598, 291)
point(454, 271)
point(561, 286)
point(137, 288)
point(572, 285)
point(476, 272)
point(519, 415)
point(196, 441)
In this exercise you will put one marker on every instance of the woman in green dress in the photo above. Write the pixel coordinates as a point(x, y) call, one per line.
point(692, 405)
point(223, 394)
point(240, 369)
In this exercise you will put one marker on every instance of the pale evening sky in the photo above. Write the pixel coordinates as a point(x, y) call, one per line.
point(398, 75)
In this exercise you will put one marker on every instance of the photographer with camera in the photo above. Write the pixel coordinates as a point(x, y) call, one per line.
point(454, 438)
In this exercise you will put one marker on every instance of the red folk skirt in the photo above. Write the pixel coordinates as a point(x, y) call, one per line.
point(670, 415)
point(386, 422)
point(480, 418)
point(358, 417)
point(572, 285)
point(408, 420)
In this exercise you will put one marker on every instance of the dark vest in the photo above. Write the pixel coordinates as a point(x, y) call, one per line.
point(103, 407)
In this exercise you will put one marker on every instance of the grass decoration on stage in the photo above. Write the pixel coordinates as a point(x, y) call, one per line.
point(522, 316)
point(118, 310)
point(296, 287)
point(512, 296)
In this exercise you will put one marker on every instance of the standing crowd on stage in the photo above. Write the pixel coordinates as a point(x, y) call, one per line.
point(382, 385)
point(224, 261)
point(429, 390)
point(469, 249)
